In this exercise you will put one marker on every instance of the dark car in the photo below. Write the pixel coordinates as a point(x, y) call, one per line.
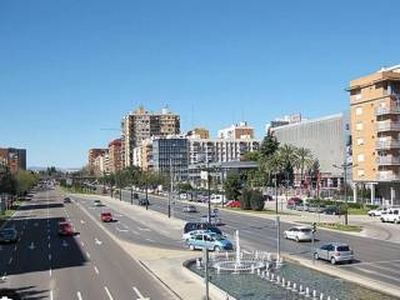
point(190, 226)
point(67, 200)
point(8, 235)
point(293, 202)
point(65, 228)
point(106, 217)
point(332, 210)
point(144, 202)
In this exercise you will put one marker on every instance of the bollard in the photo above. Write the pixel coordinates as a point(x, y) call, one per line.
point(258, 272)
point(307, 292)
point(272, 277)
point(278, 279)
point(321, 296)
point(288, 286)
point(314, 294)
point(198, 263)
point(301, 292)
point(283, 282)
point(294, 287)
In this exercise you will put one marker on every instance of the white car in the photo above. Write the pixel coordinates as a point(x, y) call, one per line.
point(217, 199)
point(377, 212)
point(298, 233)
point(391, 215)
point(189, 234)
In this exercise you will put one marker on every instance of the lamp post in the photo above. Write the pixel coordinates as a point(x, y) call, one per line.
point(344, 167)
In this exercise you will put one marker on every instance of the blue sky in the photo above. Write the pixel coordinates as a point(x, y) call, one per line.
point(70, 68)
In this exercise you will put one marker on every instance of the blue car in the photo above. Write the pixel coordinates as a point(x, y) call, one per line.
point(208, 240)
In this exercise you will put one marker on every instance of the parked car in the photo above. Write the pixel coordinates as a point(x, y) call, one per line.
point(210, 241)
point(292, 202)
point(298, 233)
point(67, 200)
point(65, 228)
point(391, 215)
point(183, 196)
point(214, 219)
point(316, 208)
point(217, 199)
point(8, 235)
point(302, 206)
point(144, 202)
point(190, 209)
point(332, 210)
point(106, 217)
point(233, 204)
point(190, 226)
point(377, 212)
point(334, 252)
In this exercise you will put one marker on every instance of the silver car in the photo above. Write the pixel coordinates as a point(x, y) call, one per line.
point(298, 233)
point(334, 252)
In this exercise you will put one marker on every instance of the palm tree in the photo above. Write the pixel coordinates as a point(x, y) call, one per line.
point(304, 161)
point(288, 155)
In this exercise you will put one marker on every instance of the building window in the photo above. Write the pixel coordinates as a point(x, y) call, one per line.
point(359, 126)
point(360, 141)
point(360, 157)
point(359, 111)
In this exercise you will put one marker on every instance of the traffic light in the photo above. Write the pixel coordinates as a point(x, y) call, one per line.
point(314, 227)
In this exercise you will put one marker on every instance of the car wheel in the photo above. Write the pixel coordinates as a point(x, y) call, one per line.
point(333, 261)
point(191, 247)
point(350, 261)
point(316, 256)
point(297, 239)
point(285, 236)
point(217, 249)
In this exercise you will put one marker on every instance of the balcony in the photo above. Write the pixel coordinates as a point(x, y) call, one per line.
point(388, 177)
point(388, 160)
point(387, 126)
point(393, 110)
point(388, 145)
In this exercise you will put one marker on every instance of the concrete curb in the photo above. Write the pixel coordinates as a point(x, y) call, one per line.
point(215, 290)
point(369, 283)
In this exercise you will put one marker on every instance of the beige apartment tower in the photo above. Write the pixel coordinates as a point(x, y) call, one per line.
point(375, 130)
point(140, 125)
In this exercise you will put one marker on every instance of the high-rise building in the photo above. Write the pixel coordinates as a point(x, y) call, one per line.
point(375, 128)
point(114, 152)
point(141, 124)
point(170, 157)
point(237, 131)
point(143, 155)
point(13, 158)
point(198, 133)
point(93, 154)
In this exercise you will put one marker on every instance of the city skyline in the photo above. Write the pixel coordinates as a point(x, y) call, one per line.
point(73, 69)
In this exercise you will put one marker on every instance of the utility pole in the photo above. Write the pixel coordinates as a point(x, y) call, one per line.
point(313, 231)
point(209, 194)
point(206, 276)
point(346, 216)
point(276, 194)
point(278, 239)
point(170, 189)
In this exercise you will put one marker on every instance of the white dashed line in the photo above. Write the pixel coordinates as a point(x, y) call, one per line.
point(50, 272)
point(96, 270)
point(108, 293)
point(48, 237)
point(78, 294)
point(15, 248)
point(88, 254)
point(49, 256)
point(10, 260)
point(51, 295)
point(135, 232)
point(4, 276)
point(83, 244)
point(150, 240)
point(49, 245)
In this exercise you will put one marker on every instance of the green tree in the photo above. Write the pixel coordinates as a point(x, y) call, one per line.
point(269, 145)
point(252, 156)
point(232, 186)
point(304, 161)
point(288, 156)
point(7, 181)
point(245, 199)
point(25, 181)
point(256, 200)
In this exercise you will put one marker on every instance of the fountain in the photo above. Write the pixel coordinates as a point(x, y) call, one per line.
point(240, 262)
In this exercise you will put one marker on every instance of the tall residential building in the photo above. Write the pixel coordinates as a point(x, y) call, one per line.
point(114, 153)
point(143, 155)
point(328, 139)
point(237, 131)
point(170, 157)
point(93, 154)
point(375, 119)
point(198, 133)
point(13, 158)
point(102, 164)
point(141, 124)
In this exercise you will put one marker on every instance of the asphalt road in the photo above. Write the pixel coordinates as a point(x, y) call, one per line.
point(378, 260)
point(89, 265)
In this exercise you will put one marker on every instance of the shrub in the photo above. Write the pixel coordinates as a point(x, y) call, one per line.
point(257, 201)
point(245, 199)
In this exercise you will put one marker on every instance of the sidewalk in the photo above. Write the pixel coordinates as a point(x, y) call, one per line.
point(166, 265)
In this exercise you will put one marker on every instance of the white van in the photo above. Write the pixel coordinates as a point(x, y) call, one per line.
point(392, 215)
point(217, 199)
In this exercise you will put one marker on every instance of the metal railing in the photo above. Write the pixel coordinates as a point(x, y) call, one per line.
point(388, 160)
point(390, 144)
point(387, 126)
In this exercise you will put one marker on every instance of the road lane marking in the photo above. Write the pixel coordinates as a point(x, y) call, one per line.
point(139, 294)
point(150, 240)
point(121, 230)
point(64, 243)
point(48, 237)
point(88, 254)
point(144, 229)
point(135, 232)
point(10, 260)
point(78, 294)
point(51, 295)
point(15, 248)
point(83, 222)
point(83, 244)
point(97, 241)
point(108, 293)
point(246, 251)
point(50, 272)
point(96, 270)
point(49, 256)
point(32, 246)
point(49, 245)
point(4, 276)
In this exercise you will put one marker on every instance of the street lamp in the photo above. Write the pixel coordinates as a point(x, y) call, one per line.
point(344, 167)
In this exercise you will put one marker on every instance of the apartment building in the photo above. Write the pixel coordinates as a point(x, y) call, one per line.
point(375, 119)
point(143, 155)
point(198, 133)
point(13, 158)
point(93, 154)
point(101, 165)
point(328, 139)
point(140, 125)
point(237, 131)
point(114, 153)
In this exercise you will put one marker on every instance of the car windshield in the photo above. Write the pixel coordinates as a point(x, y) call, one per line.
point(306, 230)
point(343, 248)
